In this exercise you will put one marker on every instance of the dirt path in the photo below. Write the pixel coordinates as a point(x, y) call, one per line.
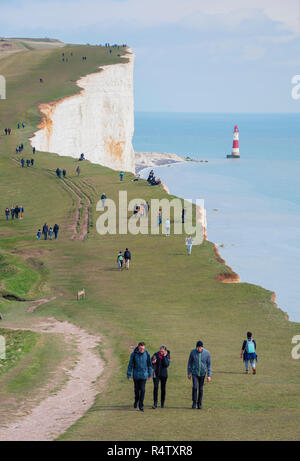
point(54, 415)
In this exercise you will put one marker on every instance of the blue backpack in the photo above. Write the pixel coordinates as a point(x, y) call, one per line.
point(250, 346)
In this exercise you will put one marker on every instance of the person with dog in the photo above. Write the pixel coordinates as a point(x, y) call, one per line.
point(199, 364)
point(140, 367)
point(248, 353)
point(160, 363)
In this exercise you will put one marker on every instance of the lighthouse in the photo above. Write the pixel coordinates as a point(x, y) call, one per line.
point(235, 146)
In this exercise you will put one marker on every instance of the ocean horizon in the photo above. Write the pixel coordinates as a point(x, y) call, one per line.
point(253, 203)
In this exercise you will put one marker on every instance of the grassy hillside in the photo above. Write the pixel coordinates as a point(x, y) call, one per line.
point(165, 298)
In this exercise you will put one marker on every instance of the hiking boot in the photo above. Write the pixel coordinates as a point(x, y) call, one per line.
point(199, 406)
point(135, 405)
point(162, 405)
point(141, 408)
point(254, 371)
point(154, 405)
point(194, 406)
point(246, 372)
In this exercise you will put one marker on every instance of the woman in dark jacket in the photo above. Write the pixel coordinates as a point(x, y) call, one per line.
point(160, 363)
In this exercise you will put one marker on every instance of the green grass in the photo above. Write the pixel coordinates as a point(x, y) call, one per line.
point(16, 277)
point(166, 297)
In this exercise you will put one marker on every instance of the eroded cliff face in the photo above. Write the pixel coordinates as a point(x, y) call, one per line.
point(98, 122)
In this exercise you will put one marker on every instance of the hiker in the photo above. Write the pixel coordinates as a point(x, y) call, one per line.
point(28, 162)
point(189, 243)
point(127, 257)
point(9, 130)
point(120, 260)
point(167, 225)
point(17, 211)
point(17, 150)
point(45, 231)
point(103, 198)
point(23, 125)
point(50, 233)
point(64, 172)
point(160, 362)
point(22, 162)
point(182, 215)
point(147, 208)
point(32, 161)
point(39, 234)
point(21, 212)
point(81, 157)
point(248, 353)
point(198, 365)
point(6, 131)
point(33, 150)
point(7, 213)
point(121, 176)
point(140, 366)
point(18, 126)
point(12, 212)
point(78, 171)
point(55, 230)
point(21, 147)
point(159, 219)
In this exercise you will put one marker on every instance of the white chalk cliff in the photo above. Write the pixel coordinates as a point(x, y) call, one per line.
point(98, 122)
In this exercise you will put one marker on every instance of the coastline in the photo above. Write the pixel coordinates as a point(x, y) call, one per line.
point(224, 277)
point(151, 159)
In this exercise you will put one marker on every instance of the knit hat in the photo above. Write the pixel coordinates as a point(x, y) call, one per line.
point(199, 344)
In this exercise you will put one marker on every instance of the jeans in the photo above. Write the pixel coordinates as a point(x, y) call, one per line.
point(55, 234)
point(163, 382)
point(139, 391)
point(198, 383)
point(189, 248)
point(252, 363)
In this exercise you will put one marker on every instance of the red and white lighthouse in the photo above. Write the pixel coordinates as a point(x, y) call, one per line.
point(236, 144)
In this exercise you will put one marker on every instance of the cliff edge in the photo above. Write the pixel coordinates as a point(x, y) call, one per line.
point(98, 122)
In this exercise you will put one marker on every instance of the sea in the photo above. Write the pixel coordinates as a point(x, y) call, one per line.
point(252, 203)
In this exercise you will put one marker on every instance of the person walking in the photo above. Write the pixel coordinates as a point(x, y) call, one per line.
point(51, 233)
point(45, 231)
point(28, 162)
point(17, 211)
point(183, 215)
point(32, 161)
point(21, 211)
point(248, 353)
point(39, 234)
point(64, 172)
point(103, 198)
point(140, 367)
point(159, 219)
point(55, 230)
point(7, 213)
point(121, 176)
point(120, 259)
point(127, 257)
point(167, 226)
point(189, 243)
point(12, 212)
point(22, 162)
point(33, 150)
point(199, 364)
point(160, 363)
point(78, 171)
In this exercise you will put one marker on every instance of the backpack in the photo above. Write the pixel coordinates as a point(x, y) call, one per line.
point(250, 346)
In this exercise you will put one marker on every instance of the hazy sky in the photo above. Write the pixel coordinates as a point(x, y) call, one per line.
point(191, 55)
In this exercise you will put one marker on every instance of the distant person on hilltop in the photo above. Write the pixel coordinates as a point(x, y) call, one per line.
point(140, 367)
point(55, 230)
point(121, 176)
point(189, 243)
point(78, 171)
point(248, 353)
point(45, 231)
point(199, 364)
point(103, 198)
point(127, 257)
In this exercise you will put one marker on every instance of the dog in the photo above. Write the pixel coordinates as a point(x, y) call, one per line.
point(81, 294)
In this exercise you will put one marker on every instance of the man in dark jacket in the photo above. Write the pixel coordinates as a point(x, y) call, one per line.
point(198, 365)
point(127, 257)
point(140, 365)
point(45, 231)
point(160, 363)
point(55, 230)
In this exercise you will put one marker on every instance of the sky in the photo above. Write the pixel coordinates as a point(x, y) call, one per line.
point(191, 55)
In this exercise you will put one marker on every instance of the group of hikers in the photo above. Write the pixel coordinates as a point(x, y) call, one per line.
point(20, 124)
point(123, 259)
point(48, 231)
point(152, 180)
point(7, 131)
point(28, 162)
point(63, 173)
point(142, 368)
point(14, 212)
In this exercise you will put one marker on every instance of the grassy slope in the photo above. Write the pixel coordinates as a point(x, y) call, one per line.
point(164, 298)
